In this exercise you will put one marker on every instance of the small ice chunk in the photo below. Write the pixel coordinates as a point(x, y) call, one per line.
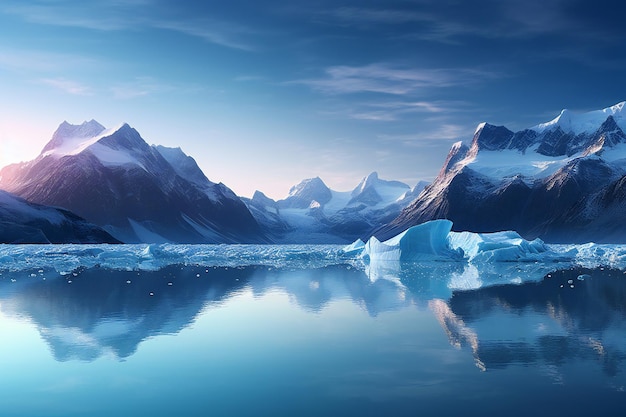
point(354, 248)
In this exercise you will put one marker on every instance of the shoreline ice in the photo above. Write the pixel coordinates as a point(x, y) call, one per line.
point(468, 260)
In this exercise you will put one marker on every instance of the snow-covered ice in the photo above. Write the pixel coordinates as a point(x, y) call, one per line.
point(462, 261)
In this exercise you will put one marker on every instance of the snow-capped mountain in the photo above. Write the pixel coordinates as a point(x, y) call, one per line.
point(563, 181)
point(313, 213)
point(137, 192)
point(24, 222)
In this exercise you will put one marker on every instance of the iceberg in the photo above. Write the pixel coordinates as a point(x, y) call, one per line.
point(505, 246)
point(434, 241)
point(355, 248)
point(425, 242)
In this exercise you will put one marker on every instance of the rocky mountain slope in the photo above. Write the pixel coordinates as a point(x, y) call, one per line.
point(24, 222)
point(563, 181)
point(137, 192)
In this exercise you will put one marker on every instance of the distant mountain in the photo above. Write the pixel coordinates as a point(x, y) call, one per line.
point(137, 192)
point(24, 222)
point(563, 181)
point(313, 213)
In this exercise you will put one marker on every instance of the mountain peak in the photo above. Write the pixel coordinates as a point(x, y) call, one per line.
point(588, 122)
point(480, 127)
point(68, 133)
point(366, 182)
point(301, 195)
point(308, 185)
point(120, 145)
point(490, 137)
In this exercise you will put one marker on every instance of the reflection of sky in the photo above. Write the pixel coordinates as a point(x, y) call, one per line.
point(263, 341)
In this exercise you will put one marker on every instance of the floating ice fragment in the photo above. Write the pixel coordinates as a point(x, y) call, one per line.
point(355, 247)
point(570, 281)
point(505, 246)
point(583, 277)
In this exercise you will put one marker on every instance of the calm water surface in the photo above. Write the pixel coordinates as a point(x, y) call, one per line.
point(332, 341)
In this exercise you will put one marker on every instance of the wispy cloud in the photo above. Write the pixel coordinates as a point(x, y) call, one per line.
point(389, 111)
point(353, 15)
point(430, 136)
point(94, 16)
point(382, 78)
point(68, 86)
point(134, 15)
point(220, 33)
point(145, 86)
point(444, 21)
point(42, 61)
point(139, 87)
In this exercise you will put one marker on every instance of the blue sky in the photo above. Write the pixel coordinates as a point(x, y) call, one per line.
point(266, 93)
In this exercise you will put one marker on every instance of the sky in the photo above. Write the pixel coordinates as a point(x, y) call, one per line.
point(264, 94)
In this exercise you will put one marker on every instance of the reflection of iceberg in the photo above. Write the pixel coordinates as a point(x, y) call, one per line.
point(314, 289)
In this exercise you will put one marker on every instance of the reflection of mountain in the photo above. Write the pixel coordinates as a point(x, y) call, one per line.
point(314, 289)
point(547, 322)
point(100, 311)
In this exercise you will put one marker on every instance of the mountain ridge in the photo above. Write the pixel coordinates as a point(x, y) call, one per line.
point(539, 181)
point(129, 188)
point(314, 213)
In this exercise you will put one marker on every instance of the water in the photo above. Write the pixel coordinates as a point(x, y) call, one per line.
point(323, 339)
